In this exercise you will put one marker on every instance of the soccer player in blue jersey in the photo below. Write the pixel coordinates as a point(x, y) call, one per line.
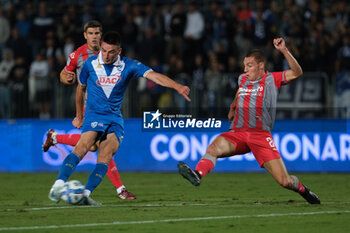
point(104, 77)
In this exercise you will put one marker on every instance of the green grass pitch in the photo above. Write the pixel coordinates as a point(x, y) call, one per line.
point(224, 202)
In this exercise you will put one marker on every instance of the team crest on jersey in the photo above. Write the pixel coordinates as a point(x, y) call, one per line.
point(120, 67)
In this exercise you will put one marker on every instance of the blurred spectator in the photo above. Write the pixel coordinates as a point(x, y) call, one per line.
point(68, 47)
point(343, 55)
point(167, 14)
point(198, 86)
point(4, 30)
point(51, 49)
point(87, 14)
point(40, 86)
point(244, 15)
point(23, 23)
point(177, 28)
point(260, 30)
point(138, 20)
point(152, 20)
point(193, 32)
point(65, 27)
point(19, 88)
point(232, 27)
point(213, 79)
point(6, 65)
point(329, 20)
point(129, 34)
point(110, 19)
point(42, 23)
point(220, 29)
point(149, 47)
point(183, 78)
point(19, 45)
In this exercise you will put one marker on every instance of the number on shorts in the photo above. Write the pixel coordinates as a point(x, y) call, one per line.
point(270, 141)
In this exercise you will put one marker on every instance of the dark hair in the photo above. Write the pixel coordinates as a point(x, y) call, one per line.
point(258, 55)
point(112, 38)
point(92, 24)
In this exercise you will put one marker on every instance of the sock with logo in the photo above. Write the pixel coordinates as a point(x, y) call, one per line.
point(68, 139)
point(206, 164)
point(298, 186)
point(68, 166)
point(96, 176)
point(113, 174)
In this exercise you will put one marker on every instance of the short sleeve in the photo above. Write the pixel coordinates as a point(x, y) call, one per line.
point(139, 69)
point(84, 74)
point(280, 78)
point(72, 62)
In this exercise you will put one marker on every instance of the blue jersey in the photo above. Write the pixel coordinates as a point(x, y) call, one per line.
point(106, 83)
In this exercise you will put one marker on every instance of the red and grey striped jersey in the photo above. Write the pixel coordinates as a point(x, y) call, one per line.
point(257, 101)
point(77, 58)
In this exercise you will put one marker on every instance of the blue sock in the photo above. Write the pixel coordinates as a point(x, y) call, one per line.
point(96, 176)
point(68, 166)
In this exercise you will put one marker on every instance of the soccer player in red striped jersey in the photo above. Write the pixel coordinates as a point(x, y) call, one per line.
point(68, 76)
point(252, 115)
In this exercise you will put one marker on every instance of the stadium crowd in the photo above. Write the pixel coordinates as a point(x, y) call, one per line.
point(197, 43)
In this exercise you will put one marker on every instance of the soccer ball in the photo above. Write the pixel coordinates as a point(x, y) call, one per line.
point(72, 192)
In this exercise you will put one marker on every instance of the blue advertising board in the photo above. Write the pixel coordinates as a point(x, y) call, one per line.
point(305, 146)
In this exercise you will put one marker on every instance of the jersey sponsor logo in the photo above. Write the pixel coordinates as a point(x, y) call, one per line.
point(108, 80)
point(255, 91)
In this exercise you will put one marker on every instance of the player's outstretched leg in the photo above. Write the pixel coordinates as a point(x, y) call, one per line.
point(310, 196)
point(50, 140)
point(114, 177)
point(189, 174)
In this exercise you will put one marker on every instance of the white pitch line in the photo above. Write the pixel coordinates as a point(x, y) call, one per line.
point(135, 205)
point(150, 205)
point(170, 220)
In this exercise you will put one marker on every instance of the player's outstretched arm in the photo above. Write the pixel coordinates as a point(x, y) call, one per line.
point(295, 69)
point(79, 106)
point(67, 77)
point(165, 81)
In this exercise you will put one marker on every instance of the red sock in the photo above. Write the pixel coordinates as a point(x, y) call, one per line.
point(68, 139)
point(204, 166)
point(113, 174)
point(301, 188)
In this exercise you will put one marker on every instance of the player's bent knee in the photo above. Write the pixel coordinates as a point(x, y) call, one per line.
point(213, 150)
point(220, 147)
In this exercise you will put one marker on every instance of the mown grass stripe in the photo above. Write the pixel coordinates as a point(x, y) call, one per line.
point(170, 220)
